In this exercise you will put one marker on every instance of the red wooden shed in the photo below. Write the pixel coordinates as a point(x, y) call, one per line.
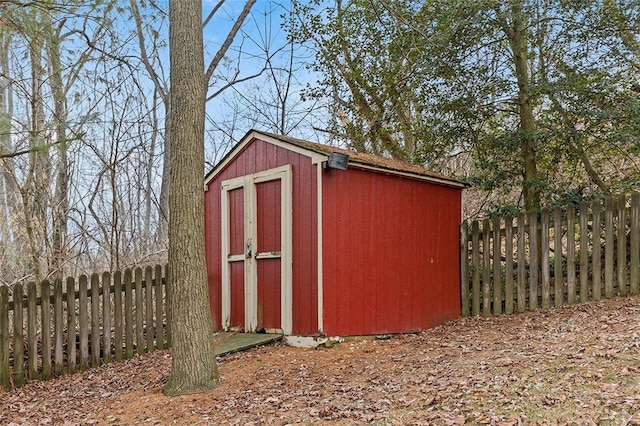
point(302, 244)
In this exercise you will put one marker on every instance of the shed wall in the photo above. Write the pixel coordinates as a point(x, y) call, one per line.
point(259, 156)
point(390, 253)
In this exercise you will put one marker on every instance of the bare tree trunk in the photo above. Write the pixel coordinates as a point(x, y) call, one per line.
point(60, 204)
point(163, 220)
point(194, 366)
point(34, 191)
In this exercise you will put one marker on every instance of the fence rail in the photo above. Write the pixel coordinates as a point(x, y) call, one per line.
point(554, 257)
point(48, 329)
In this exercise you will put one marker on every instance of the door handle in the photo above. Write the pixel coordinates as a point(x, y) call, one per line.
point(249, 251)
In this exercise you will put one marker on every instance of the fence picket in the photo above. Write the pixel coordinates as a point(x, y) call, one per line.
point(106, 316)
point(533, 261)
point(544, 247)
point(634, 260)
point(128, 315)
point(159, 310)
point(596, 278)
point(45, 305)
point(5, 372)
point(72, 335)
point(18, 336)
point(486, 268)
point(58, 328)
point(475, 267)
point(149, 329)
point(521, 265)
point(117, 315)
point(508, 279)
point(464, 270)
point(584, 252)
point(622, 244)
point(32, 326)
point(84, 322)
point(608, 247)
point(139, 312)
point(497, 268)
point(95, 320)
point(571, 254)
point(558, 284)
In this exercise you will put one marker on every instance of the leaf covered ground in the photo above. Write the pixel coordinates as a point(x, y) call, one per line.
point(578, 366)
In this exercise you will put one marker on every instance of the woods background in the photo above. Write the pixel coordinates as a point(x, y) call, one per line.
point(535, 103)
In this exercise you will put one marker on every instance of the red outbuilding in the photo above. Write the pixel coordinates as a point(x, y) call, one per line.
point(306, 239)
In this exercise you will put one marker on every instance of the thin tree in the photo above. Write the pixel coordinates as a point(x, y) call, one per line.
point(194, 365)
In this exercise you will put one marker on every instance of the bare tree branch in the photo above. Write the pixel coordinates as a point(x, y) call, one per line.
point(230, 37)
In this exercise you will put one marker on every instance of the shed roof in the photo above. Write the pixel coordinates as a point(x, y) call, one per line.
point(319, 152)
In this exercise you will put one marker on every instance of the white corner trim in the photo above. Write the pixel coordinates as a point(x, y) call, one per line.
point(320, 256)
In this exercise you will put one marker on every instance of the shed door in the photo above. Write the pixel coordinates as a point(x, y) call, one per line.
point(256, 248)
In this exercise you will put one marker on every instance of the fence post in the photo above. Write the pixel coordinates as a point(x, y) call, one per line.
point(5, 372)
point(464, 273)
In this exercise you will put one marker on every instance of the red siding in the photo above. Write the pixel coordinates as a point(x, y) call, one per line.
point(259, 156)
point(390, 249)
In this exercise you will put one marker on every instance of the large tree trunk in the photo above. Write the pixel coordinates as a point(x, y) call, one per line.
point(194, 365)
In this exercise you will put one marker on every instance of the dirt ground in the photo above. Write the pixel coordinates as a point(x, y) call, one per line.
point(576, 365)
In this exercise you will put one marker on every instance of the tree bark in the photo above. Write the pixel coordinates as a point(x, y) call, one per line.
point(194, 367)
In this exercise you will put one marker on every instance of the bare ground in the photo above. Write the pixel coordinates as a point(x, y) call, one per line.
point(576, 365)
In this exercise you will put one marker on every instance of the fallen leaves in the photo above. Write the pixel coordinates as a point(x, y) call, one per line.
point(573, 366)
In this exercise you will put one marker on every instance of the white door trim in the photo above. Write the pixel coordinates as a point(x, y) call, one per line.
point(248, 183)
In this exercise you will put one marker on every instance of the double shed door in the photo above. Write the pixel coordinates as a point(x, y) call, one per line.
point(256, 252)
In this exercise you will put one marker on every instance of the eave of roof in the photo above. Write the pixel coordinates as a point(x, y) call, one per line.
point(319, 152)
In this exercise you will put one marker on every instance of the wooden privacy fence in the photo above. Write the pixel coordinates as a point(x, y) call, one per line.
point(48, 329)
point(550, 258)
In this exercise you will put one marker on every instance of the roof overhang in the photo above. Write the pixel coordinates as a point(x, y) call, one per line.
point(320, 153)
